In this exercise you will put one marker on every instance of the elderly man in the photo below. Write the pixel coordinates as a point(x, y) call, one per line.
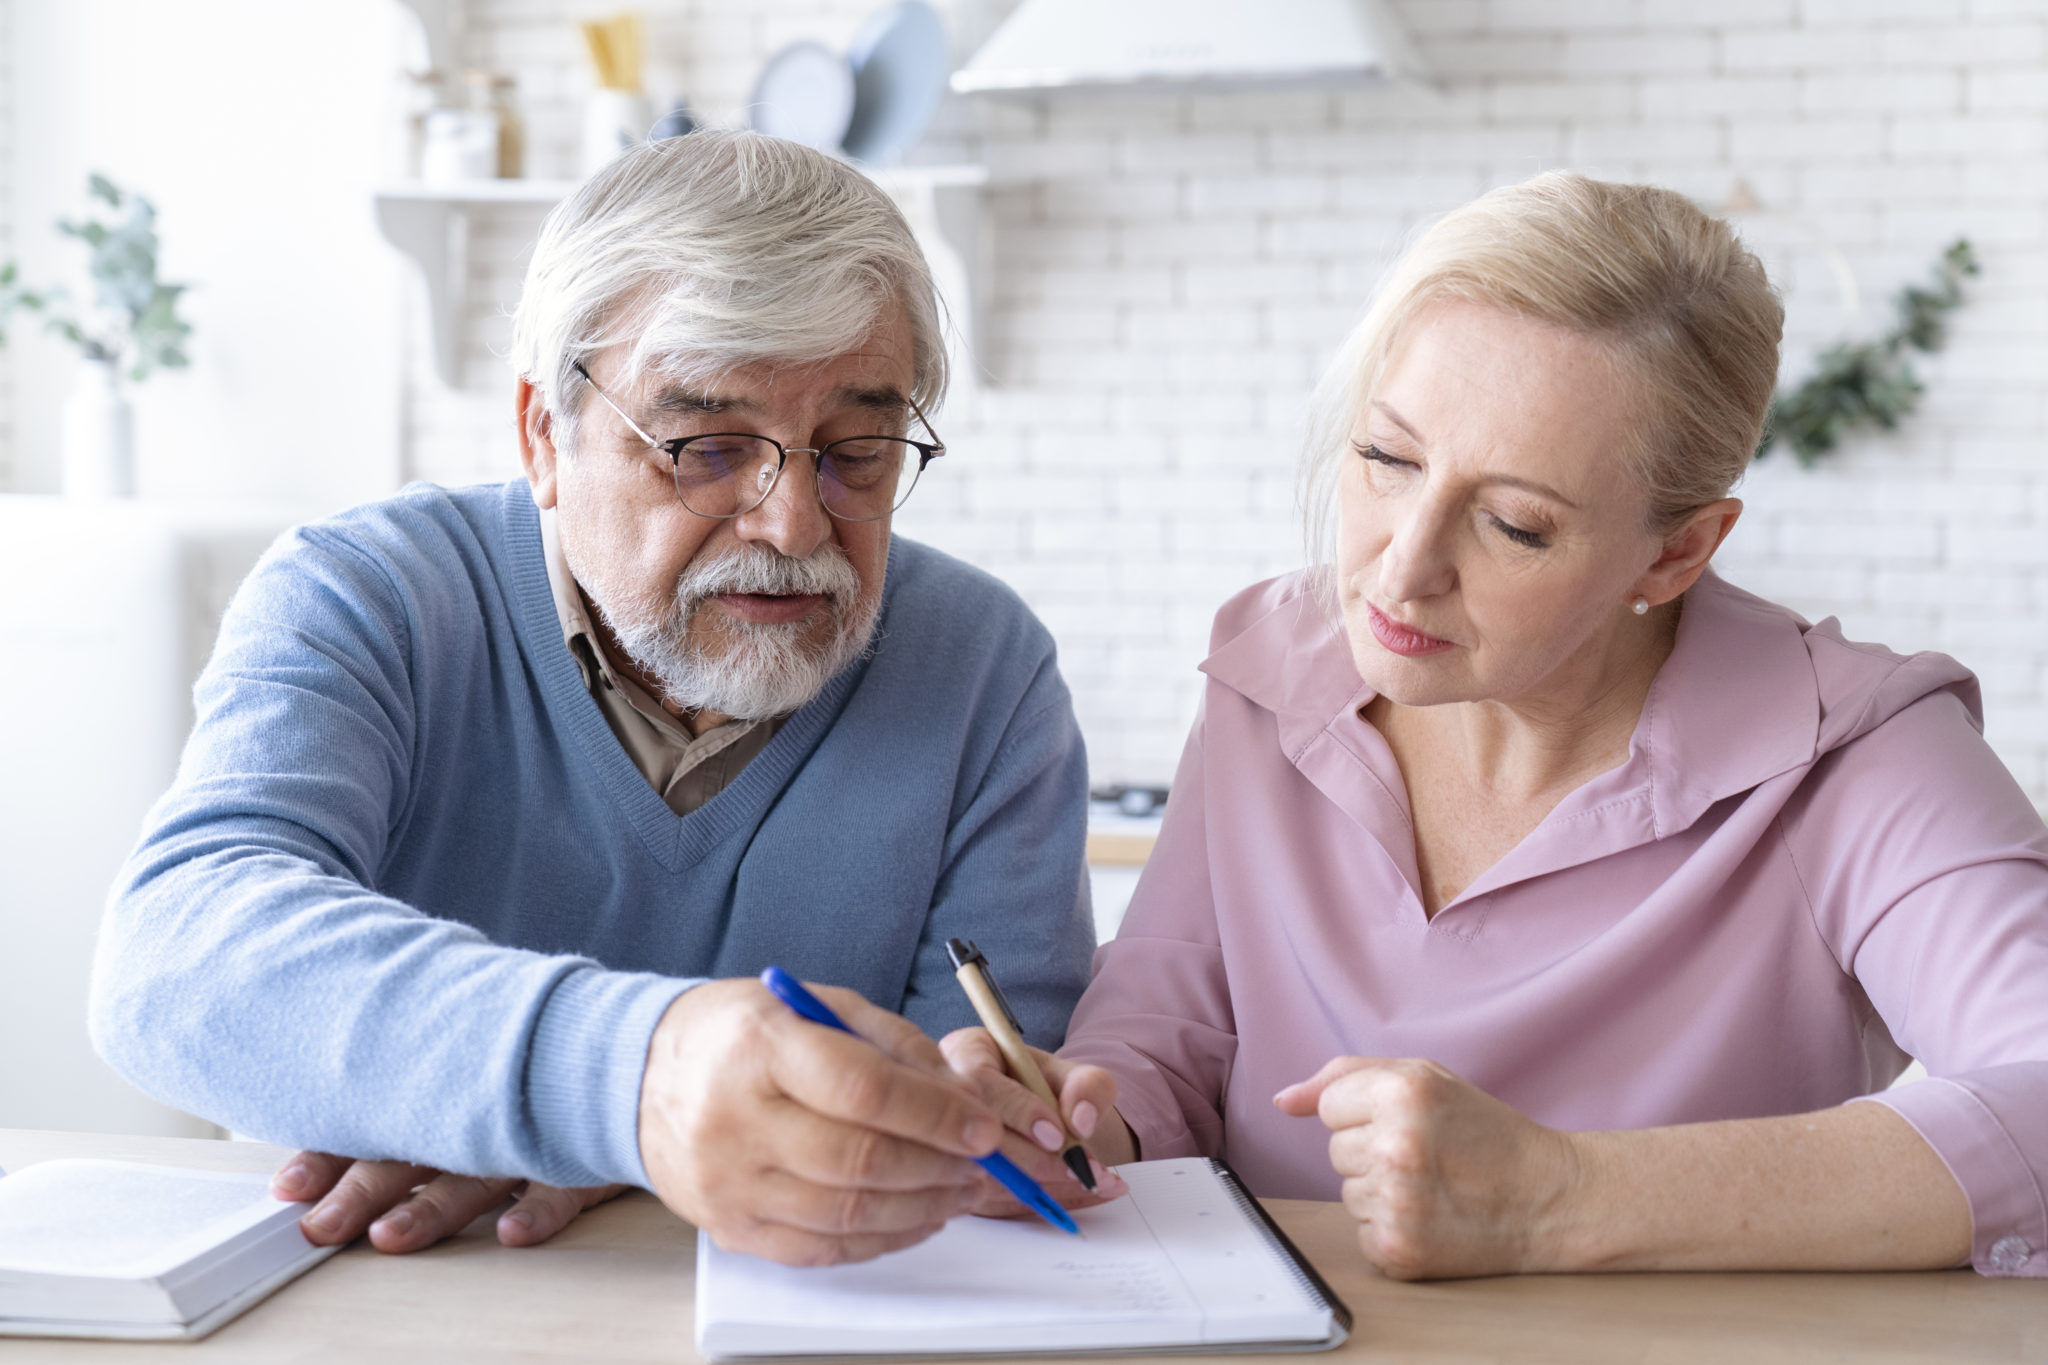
point(500, 797)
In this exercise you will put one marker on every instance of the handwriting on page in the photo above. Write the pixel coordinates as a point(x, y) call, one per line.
point(984, 1272)
point(1178, 1263)
point(1139, 1285)
point(1196, 1216)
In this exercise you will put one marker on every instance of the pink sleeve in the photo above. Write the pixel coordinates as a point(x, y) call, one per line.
point(1927, 869)
point(1157, 1015)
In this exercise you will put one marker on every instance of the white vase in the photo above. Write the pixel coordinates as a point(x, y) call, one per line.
point(99, 435)
point(613, 122)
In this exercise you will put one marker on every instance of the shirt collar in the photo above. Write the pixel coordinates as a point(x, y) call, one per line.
point(575, 618)
point(1735, 704)
point(580, 635)
point(1294, 661)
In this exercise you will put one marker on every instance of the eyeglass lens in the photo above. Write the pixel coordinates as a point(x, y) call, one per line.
point(859, 479)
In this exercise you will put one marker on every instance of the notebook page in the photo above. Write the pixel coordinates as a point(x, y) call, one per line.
point(1008, 1285)
point(978, 1282)
point(122, 1220)
point(1246, 1289)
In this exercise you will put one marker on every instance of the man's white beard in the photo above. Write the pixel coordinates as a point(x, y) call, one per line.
point(745, 669)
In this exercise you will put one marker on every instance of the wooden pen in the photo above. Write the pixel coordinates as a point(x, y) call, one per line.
point(970, 966)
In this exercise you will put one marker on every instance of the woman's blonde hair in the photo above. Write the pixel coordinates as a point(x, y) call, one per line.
point(1686, 309)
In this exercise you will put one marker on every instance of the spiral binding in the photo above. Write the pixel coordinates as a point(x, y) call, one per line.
point(1297, 1265)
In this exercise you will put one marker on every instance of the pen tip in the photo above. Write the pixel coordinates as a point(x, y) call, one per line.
point(1077, 1162)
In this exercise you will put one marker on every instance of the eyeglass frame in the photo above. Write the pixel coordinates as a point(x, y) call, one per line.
point(927, 452)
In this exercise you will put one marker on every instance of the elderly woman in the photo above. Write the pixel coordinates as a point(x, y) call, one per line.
point(1576, 892)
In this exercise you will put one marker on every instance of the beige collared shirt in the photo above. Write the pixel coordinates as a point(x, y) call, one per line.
point(688, 770)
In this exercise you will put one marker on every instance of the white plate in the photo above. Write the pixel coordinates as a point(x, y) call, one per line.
point(804, 93)
point(900, 64)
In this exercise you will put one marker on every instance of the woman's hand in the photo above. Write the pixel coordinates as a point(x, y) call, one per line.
point(409, 1208)
point(1087, 1096)
point(1444, 1179)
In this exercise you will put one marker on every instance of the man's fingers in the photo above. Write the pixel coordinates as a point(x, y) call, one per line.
point(846, 1079)
point(541, 1211)
point(441, 1208)
point(593, 1195)
point(308, 1176)
point(890, 1032)
point(364, 1192)
point(829, 1151)
point(406, 1207)
point(801, 1247)
point(1301, 1099)
point(840, 1211)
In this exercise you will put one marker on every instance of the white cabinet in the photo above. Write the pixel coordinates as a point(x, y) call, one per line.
point(107, 612)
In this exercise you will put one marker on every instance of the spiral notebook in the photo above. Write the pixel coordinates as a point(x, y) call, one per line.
point(1187, 1262)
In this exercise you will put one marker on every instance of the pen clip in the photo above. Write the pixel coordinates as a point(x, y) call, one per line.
point(964, 954)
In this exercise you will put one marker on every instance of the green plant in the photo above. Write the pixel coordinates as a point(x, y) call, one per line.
point(133, 321)
point(1870, 383)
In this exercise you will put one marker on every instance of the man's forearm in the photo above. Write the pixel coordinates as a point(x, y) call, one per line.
point(244, 981)
point(1847, 1188)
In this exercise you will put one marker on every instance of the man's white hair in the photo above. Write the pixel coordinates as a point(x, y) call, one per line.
point(714, 250)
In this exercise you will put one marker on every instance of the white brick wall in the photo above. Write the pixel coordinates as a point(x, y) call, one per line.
point(1172, 272)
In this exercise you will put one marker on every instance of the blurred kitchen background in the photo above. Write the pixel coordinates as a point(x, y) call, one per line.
point(1146, 278)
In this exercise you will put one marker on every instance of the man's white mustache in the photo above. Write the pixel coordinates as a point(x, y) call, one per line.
point(826, 572)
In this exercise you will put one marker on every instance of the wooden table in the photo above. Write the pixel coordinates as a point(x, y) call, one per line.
point(617, 1286)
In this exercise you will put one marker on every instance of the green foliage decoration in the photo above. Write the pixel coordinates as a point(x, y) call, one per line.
point(1871, 383)
point(133, 321)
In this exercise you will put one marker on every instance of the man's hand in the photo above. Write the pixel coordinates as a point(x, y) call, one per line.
point(1087, 1096)
point(795, 1142)
point(1443, 1179)
point(407, 1207)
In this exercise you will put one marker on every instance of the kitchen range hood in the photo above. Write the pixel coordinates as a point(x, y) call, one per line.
point(1049, 46)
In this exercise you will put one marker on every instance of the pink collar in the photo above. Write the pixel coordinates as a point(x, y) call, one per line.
point(1735, 705)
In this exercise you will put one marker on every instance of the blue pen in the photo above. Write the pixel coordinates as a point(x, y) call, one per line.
point(1029, 1192)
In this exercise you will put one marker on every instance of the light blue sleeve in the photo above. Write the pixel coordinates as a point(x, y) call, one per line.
point(247, 971)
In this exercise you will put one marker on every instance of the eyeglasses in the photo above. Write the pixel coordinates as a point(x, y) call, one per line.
point(730, 473)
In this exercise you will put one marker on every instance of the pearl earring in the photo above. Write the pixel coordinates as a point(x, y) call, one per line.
point(1640, 606)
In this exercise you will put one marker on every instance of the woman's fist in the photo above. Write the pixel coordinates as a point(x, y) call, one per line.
point(1444, 1179)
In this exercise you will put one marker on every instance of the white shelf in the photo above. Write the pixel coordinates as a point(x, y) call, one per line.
point(441, 26)
point(895, 179)
point(950, 176)
point(430, 223)
point(484, 192)
point(942, 204)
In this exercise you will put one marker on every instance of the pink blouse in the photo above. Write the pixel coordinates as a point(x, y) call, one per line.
point(1809, 868)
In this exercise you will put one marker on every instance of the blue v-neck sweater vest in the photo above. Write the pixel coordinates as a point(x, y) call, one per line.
point(409, 898)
